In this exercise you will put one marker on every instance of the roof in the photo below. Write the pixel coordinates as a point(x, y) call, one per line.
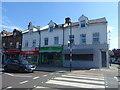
point(100, 20)
point(94, 21)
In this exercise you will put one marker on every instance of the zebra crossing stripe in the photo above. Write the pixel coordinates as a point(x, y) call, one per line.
point(80, 80)
point(40, 87)
point(80, 77)
point(74, 84)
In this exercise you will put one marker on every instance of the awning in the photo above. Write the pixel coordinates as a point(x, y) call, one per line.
point(42, 51)
point(79, 51)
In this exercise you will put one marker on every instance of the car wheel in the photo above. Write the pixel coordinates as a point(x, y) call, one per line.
point(6, 69)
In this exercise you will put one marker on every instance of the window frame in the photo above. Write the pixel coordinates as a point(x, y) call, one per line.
point(82, 39)
point(45, 39)
point(56, 40)
point(82, 23)
point(96, 37)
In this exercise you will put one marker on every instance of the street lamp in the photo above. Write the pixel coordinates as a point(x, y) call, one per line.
point(71, 39)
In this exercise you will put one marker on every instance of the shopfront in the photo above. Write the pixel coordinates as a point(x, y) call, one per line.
point(51, 56)
point(14, 54)
point(31, 56)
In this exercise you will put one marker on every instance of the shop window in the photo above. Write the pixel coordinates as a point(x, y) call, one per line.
point(83, 38)
point(96, 38)
point(56, 40)
point(46, 41)
point(88, 57)
point(34, 43)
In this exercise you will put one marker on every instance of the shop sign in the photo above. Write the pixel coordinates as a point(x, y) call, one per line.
point(29, 52)
point(51, 48)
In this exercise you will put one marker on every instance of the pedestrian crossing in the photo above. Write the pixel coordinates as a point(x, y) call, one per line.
point(78, 81)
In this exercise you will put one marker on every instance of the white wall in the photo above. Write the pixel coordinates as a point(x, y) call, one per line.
point(50, 36)
point(89, 30)
point(30, 37)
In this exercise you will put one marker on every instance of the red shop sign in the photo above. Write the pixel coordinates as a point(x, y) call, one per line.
point(29, 52)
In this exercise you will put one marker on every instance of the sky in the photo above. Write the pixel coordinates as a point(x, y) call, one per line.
point(19, 14)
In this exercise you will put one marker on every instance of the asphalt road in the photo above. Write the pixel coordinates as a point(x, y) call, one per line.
point(102, 79)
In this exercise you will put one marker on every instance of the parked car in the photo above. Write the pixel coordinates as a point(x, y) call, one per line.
point(19, 65)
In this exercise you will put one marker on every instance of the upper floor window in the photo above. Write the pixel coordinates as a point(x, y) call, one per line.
point(3, 44)
point(11, 43)
point(83, 23)
point(34, 43)
point(83, 38)
point(17, 44)
point(26, 43)
point(96, 38)
point(51, 28)
point(56, 40)
point(46, 41)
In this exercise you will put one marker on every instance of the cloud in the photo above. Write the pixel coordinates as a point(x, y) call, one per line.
point(10, 27)
point(110, 28)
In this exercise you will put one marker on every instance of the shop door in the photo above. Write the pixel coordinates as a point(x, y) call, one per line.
point(104, 60)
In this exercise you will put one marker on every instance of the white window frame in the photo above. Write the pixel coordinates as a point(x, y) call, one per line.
point(56, 40)
point(96, 37)
point(45, 41)
point(17, 44)
point(34, 43)
point(82, 38)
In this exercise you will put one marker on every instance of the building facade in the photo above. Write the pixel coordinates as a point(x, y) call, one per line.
point(30, 44)
point(11, 44)
point(89, 43)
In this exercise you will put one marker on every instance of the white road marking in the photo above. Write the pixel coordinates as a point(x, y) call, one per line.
point(51, 73)
point(9, 74)
point(44, 75)
point(80, 80)
point(73, 84)
point(85, 75)
point(36, 77)
point(99, 78)
point(41, 87)
point(116, 78)
point(23, 82)
point(21, 76)
point(9, 87)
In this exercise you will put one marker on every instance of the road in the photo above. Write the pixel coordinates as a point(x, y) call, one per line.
point(102, 79)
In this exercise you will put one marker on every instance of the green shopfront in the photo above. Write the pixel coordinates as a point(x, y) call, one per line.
point(51, 56)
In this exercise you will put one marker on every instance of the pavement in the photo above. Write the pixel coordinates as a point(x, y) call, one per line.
point(60, 69)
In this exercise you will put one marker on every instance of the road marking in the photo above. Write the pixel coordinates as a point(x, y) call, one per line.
point(74, 84)
point(44, 75)
point(23, 82)
point(99, 78)
point(51, 73)
point(9, 74)
point(9, 87)
point(80, 80)
point(36, 77)
point(41, 87)
point(21, 76)
point(116, 78)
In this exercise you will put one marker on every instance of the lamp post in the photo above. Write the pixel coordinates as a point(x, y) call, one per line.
point(71, 37)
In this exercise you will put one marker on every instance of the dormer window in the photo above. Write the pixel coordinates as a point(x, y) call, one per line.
point(51, 28)
point(83, 23)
